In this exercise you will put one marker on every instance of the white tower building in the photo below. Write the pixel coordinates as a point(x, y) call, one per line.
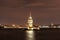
point(30, 22)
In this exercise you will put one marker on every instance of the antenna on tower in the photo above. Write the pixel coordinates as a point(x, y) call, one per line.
point(30, 13)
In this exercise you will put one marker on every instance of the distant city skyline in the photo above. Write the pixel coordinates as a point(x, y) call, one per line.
point(17, 11)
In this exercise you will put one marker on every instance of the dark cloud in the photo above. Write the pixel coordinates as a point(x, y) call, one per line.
point(29, 3)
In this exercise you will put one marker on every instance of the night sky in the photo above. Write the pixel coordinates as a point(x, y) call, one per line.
point(17, 11)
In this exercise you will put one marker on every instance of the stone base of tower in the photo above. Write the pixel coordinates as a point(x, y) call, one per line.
point(30, 28)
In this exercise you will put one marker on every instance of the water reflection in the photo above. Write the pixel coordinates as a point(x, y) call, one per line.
point(30, 35)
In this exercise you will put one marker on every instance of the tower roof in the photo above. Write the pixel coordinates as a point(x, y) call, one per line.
point(30, 17)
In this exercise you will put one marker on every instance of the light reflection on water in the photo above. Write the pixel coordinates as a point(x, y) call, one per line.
point(30, 35)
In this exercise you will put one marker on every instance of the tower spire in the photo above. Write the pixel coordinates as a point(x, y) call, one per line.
point(30, 13)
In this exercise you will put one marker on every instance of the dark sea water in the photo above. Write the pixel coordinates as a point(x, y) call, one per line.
point(20, 34)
